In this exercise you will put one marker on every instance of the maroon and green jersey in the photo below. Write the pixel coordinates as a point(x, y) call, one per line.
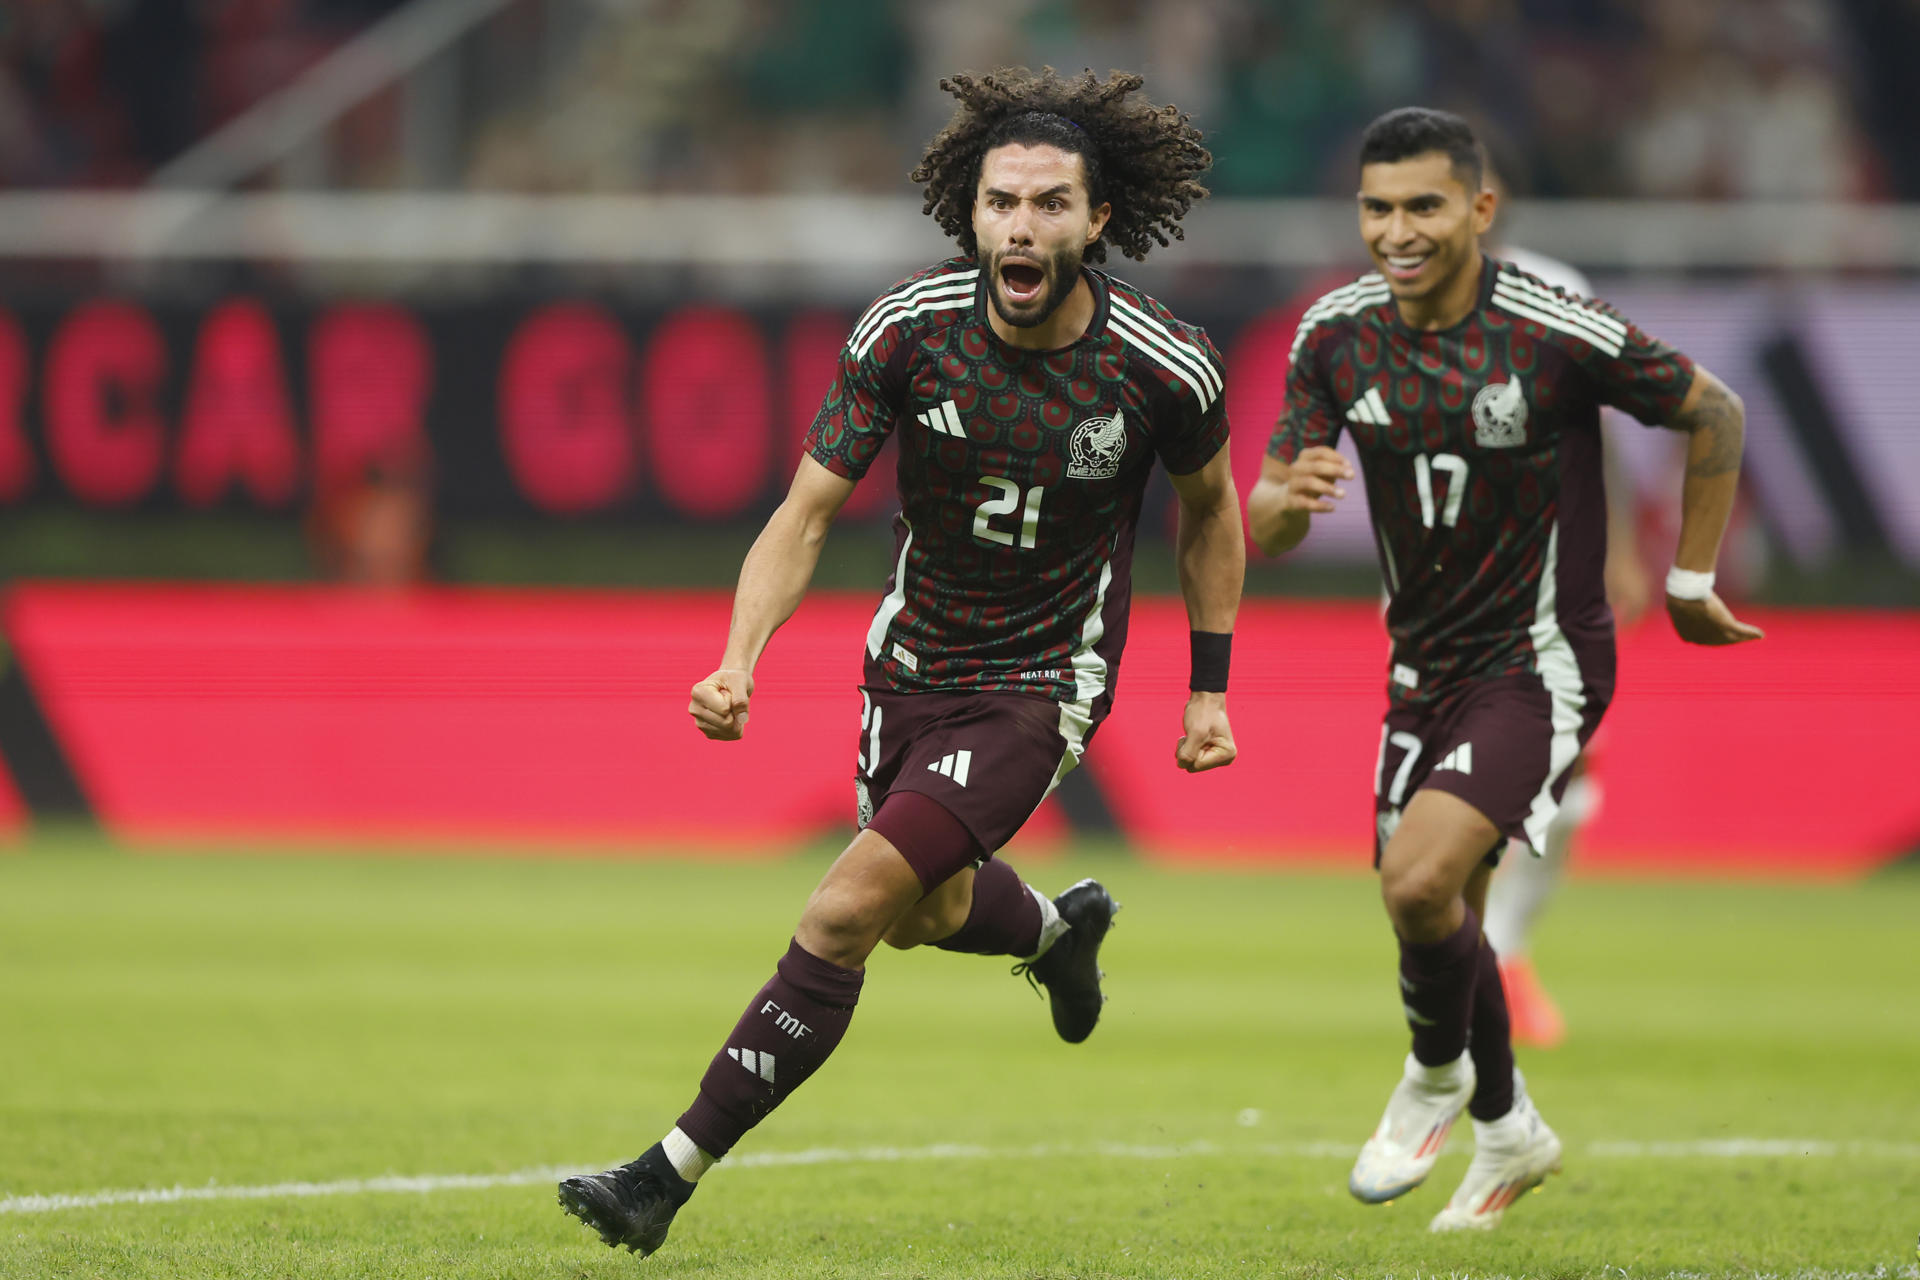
point(1481, 450)
point(1020, 478)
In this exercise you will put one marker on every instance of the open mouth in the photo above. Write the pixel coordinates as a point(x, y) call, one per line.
point(1022, 281)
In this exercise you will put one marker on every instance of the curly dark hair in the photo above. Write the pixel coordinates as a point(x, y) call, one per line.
point(1142, 158)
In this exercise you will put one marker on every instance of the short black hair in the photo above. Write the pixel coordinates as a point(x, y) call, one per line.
point(1406, 132)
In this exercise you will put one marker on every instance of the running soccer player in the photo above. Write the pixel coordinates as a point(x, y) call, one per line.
point(1031, 396)
point(1473, 391)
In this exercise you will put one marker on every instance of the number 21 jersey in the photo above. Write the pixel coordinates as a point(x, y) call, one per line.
point(1020, 478)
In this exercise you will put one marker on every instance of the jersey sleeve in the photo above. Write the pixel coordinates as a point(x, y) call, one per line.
point(1308, 417)
point(861, 406)
point(1642, 375)
point(1199, 428)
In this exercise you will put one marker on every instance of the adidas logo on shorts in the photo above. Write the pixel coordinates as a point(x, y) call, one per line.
point(953, 765)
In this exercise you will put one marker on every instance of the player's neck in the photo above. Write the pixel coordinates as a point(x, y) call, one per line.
point(1451, 303)
point(1063, 328)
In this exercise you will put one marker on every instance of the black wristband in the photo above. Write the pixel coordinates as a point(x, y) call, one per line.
point(1212, 655)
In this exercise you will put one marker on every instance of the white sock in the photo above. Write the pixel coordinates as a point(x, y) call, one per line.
point(1505, 1130)
point(689, 1161)
point(1448, 1075)
point(1525, 883)
point(1051, 925)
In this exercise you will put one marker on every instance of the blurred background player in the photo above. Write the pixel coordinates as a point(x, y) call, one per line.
point(1472, 391)
point(1031, 396)
point(375, 528)
point(1524, 885)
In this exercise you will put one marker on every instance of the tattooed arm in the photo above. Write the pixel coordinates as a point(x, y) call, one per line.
point(1716, 420)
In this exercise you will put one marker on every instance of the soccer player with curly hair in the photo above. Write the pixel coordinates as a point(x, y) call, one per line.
point(1031, 396)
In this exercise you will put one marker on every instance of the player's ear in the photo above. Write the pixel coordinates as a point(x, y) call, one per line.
point(1097, 221)
point(1485, 205)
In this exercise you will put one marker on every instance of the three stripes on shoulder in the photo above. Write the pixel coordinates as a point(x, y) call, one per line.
point(1140, 328)
point(1166, 348)
point(1557, 311)
point(1513, 292)
point(938, 294)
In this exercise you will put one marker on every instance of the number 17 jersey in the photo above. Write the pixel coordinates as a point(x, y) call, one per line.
point(1480, 446)
point(1020, 477)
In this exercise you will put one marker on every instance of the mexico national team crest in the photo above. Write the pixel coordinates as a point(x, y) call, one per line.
point(1500, 415)
point(1096, 448)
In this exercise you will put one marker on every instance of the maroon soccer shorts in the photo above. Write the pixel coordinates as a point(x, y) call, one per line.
point(987, 758)
point(1506, 746)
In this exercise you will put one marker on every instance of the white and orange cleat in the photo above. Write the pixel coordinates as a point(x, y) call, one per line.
point(1413, 1131)
point(1536, 1019)
point(1511, 1156)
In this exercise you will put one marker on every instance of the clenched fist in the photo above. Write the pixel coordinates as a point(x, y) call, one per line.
point(719, 704)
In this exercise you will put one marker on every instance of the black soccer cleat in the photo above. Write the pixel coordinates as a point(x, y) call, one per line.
point(1070, 969)
point(632, 1205)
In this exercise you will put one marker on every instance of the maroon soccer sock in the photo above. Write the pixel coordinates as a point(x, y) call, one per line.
point(1004, 919)
point(1437, 982)
point(1492, 1041)
point(788, 1030)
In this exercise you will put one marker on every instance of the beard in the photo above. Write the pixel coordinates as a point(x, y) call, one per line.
point(1059, 271)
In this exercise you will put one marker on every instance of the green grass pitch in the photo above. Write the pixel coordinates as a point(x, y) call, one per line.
point(1740, 1094)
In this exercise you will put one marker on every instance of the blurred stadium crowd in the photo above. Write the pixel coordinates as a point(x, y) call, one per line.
point(1705, 99)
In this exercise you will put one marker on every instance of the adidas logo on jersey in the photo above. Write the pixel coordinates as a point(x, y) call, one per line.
point(1460, 759)
point(761, 1064)
point(1370, 409)
point(945, 418)
point(953, 765)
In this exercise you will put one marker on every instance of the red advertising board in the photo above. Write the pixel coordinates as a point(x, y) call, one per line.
point(550, 719)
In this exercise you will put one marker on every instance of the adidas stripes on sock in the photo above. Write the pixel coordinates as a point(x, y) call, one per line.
point(789, 1028)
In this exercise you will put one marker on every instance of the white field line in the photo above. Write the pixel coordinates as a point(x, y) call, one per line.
point(420, 1184)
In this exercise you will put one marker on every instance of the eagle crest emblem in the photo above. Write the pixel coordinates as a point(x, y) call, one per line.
point(1500, 415)
point(1096, 448)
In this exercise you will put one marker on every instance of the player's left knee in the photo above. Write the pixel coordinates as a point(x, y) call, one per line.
point(844, 921)
point(1417, 894)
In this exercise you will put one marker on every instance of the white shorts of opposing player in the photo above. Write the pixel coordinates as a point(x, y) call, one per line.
point(1413, 1131)
point(1511, 1156)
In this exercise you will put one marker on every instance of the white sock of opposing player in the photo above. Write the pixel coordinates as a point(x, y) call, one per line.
point(689, 1161)
point(1524, 883)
